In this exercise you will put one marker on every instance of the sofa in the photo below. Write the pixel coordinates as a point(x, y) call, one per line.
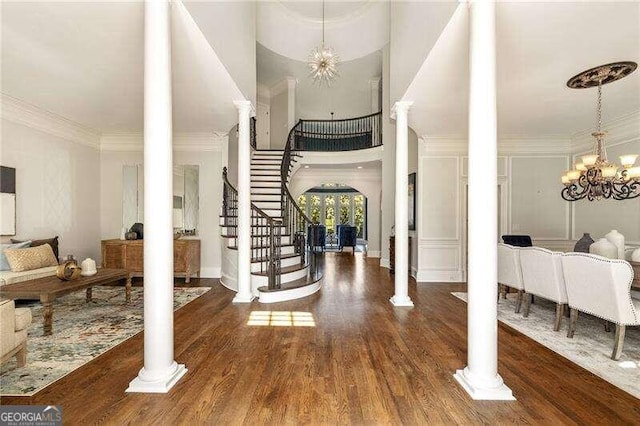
point(9, 277)
point(14, 323)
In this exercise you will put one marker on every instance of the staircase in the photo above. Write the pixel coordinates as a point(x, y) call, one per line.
point(280, 264)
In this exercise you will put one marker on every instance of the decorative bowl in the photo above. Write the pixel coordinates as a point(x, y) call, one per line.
point(68, 270)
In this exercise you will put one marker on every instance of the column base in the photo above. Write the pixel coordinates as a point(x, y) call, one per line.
point(163, 385)
point(496, 391)
point(401, 301)
point(243, 298)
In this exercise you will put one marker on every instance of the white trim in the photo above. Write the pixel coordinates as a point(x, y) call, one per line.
point(37, 118)
point(184, 142)
point(439, 276)
point(384, 263)
point(374, 253)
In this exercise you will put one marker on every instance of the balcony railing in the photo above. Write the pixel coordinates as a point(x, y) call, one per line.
point(338, 135)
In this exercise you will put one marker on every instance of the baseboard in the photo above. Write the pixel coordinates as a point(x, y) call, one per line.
point(214, 272)
point(373, 253)
point(384, 263)
point(414, 272)
point(438, 276)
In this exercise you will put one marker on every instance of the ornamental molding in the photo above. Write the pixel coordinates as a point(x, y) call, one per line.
point(182, 142)
point(508, 144)
point(20, 112)
point(623, 129)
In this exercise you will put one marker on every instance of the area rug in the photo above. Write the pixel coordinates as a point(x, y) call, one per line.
point(590, 347)
point(81, 332)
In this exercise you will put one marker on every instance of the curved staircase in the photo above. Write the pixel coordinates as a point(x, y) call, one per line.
point(280, 265)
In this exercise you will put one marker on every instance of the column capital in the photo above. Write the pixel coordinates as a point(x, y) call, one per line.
point(292, 82)
point(400, 107)
point(244, 107)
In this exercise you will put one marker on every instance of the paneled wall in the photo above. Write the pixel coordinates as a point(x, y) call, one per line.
point(529, 188)
point(529, 203)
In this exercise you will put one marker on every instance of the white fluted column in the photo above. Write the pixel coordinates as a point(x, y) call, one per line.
point(160, 371)
point(401, 296)
point(480, 378)
point(244, 294)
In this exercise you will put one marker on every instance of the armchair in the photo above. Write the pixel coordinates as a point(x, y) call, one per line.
point(13, 330)
point(601, 287)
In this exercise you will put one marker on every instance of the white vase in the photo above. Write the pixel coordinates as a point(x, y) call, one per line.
point(635, 256)
point(617, 239)
point(605, 248)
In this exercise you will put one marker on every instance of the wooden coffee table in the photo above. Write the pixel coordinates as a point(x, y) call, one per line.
point(48, 289)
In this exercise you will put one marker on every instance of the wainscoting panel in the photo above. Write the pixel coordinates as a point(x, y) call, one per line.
point(439, 262)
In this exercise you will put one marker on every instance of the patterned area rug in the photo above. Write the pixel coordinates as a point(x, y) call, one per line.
point(590, 347)
point(81, 332)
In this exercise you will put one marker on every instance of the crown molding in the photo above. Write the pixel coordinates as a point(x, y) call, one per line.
point(37, 118)
point(625, 128)
point(263, 92)
point(509, 144)
point(286, 84)
point(182, 142)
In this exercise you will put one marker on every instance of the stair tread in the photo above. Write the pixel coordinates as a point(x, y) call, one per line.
point(301, 282)
point(283, 270)
point(282, 256)
point(260, 247)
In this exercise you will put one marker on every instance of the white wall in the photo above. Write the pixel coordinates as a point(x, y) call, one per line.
point(414, 28)
point(279, 110)
point(388, 163)
point(57, 184)
point(230, 29)
point(413, 168)
point(208, 157)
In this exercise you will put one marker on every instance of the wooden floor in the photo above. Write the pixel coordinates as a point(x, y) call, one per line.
point(364, 362)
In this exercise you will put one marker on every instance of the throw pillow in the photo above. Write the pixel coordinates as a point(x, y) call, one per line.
point(53, 242)
point(27, 259)
point(4, 263)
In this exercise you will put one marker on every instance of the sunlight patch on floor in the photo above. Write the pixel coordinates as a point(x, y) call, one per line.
point(281, 319)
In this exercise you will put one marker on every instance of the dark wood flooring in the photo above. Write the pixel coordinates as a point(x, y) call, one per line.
point(365, 362)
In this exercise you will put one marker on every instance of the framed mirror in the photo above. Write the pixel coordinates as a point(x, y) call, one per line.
point(186, 197)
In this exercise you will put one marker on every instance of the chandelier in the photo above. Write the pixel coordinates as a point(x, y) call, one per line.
point(594, 177)
point(323, 61)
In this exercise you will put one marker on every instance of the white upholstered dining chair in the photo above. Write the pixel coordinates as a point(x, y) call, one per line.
point(601, 287)
point(509, 271)
point(542, 275)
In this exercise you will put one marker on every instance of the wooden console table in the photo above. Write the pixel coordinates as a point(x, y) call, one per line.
point(129, 254)
point(392, 255)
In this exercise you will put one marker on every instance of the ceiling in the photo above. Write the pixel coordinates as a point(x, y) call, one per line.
point(353, 28)
point(84, 61)
point(348, 96)
point(539, 47)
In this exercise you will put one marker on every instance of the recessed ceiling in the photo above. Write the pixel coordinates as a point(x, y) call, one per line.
point(348, 96)
point(539, 47)
point(333, 11)
point(292, 29)
point(84, 61)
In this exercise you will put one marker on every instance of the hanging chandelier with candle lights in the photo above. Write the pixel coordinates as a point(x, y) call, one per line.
point(594, 177)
